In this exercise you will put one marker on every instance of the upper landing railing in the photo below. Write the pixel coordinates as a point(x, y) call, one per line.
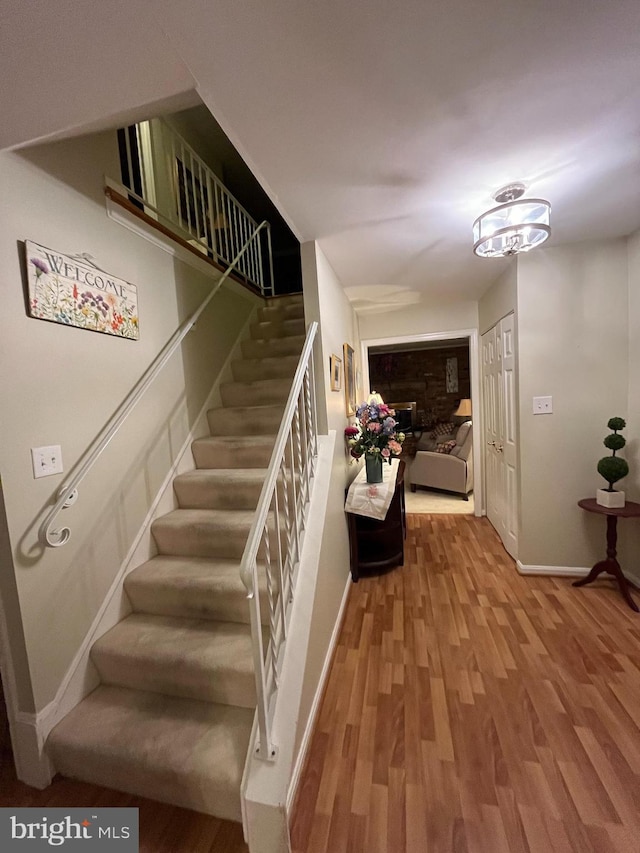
point(166, 179)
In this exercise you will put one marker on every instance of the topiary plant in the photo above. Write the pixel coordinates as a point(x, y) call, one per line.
point(613, 468)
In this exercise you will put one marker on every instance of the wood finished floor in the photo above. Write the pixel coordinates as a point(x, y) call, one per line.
point(163, 829)
point(473, 710)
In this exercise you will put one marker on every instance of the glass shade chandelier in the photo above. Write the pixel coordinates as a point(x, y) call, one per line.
point(515, 225)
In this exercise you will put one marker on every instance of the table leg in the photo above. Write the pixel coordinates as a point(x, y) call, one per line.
point(611, 566)
point(600, 567)
point(623, 583)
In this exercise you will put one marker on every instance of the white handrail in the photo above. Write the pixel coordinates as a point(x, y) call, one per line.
point(66, 495)
point(299, 423)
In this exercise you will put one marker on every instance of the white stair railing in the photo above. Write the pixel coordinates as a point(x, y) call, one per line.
point(67, 493)
point(171, 183)
point(275, 540)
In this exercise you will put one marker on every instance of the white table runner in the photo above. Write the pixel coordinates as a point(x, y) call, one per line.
point(373, 500)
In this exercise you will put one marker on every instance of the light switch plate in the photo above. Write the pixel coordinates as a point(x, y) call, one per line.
point(543, 405)
point(46, 460)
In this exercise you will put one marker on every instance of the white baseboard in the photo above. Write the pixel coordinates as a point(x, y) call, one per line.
point(81, 677)
point(566, 571)
point(315, 706)
point(558, 571)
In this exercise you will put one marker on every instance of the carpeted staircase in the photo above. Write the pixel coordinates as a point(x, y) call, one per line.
point(172, 716)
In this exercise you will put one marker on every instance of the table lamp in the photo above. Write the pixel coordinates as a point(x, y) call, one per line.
point(464, 409)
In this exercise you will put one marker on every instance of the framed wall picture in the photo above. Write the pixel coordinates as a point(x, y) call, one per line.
point(349, 379)
point(335, 366)
point(452, 375)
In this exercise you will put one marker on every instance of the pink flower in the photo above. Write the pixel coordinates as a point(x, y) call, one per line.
point(395, 447)
point(374, 426)
point(383, 409)
point(385, 452)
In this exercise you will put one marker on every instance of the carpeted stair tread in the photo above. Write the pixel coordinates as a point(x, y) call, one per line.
point(250, 369)
point(203, 532)
point(242, 451)
point(261, 392)
point(172, 717)
point(270, 348)
point(193, 658)
point(287, 311)
point(266, 330)
point(178, 751)
point(221, 488)
point(246, 420)
point(192, 588)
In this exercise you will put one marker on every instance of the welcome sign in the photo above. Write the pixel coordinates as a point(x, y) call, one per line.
point(66, 290)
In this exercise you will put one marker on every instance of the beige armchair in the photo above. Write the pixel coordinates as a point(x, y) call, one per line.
point(451, 471)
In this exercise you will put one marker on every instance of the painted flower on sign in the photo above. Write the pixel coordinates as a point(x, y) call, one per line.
point(41, 267)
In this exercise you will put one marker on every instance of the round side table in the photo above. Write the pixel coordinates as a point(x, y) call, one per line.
point(610, 565)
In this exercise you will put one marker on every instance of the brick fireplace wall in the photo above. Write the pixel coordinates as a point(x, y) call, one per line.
point(420, 375)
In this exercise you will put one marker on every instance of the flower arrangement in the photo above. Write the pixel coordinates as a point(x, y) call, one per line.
point(375, 434)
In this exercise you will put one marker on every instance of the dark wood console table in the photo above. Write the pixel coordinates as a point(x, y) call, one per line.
point(610, 565)
point(378, 546)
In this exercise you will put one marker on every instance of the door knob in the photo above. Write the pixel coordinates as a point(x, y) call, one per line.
point(491, 443)
point(499, 448)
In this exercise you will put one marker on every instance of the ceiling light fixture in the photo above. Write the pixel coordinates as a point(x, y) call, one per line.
point(516, 225)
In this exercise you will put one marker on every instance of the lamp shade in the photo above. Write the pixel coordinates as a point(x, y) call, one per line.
point(508, 229)
point(464, 409)
point(374, 397)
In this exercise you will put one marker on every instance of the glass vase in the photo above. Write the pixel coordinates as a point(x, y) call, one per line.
point(373, 464)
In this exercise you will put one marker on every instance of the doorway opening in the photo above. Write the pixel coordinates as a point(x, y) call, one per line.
point(431, 380)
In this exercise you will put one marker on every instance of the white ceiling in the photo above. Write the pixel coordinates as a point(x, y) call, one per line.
point(382, 128)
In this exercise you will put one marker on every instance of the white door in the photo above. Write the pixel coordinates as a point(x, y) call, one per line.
point(490, 399)
point(498, 362)
point(508, 453)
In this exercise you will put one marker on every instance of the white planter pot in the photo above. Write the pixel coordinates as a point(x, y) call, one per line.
point(612, 500)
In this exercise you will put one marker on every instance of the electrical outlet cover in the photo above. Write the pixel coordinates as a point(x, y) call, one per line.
point(543, 405)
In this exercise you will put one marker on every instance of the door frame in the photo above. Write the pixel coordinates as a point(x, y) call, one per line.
point(474, 370)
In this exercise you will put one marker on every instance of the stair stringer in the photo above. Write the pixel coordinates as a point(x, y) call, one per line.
point(81, 677)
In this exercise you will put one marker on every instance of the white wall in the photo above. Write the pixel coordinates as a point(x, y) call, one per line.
point(81, 69)
point(419, 319)
point(326, 302)
point(572, 340)
point(632, 432)
point(60, 384)
point(500, 299)
point(629, 531)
